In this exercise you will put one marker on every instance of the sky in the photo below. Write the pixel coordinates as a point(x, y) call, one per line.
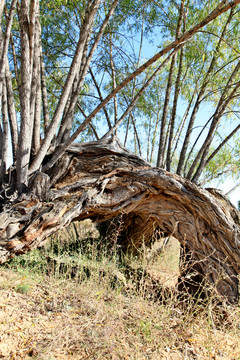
point(149, 50)
point(234, 196)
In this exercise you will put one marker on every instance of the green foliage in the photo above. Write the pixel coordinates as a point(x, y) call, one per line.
point(135, 32)
point(224, 165)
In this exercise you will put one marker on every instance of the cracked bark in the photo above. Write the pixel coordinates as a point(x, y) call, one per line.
point(102, 181)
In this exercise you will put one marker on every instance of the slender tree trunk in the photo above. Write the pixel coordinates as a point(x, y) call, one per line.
point(59, 152)
point(4, 150)
point(155, 135)
point(182, 124)
point(161, 149)
point(16, 70)
point(140, 92)
point(2, 4)
point(37, 114)
point(35, 101)
point(220, 9)
point(223, 103)
point(200, 97)
point(5, 44)
point(114, 83)
point(149, 138)
point(136, 135)
point(134, 80)
point(46, 117)
point(214, 153)
point(101, 98)
point(85, 65)
point(94, 131)
point(127, 130)
point(206, 146)
point(88, 22)
point(162, 139)
point(33, 36)
point(174, 111)
point(67, 120)
point(187, 162)
point(25, 137)
point(12, 113)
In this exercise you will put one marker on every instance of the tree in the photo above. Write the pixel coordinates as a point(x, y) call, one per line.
point(37, 199)
point(102, 180)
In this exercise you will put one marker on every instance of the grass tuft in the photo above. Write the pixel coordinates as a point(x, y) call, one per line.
point(74, 300)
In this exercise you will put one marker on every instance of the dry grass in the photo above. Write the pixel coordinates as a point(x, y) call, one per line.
point(51, 317)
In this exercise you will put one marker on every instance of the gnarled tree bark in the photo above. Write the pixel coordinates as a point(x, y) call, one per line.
point(102, 180)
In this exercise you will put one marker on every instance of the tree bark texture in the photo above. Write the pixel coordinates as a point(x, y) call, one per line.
point(201, 95)
point(174, 47)
point(104, 181)
point(26, 128)
point(162, 146)
point(74, 68)
point(12, 113)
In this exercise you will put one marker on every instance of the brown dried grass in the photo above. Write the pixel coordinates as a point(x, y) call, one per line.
point(55, 317)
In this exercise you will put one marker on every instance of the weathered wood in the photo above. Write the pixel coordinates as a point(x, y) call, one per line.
point(102, 181)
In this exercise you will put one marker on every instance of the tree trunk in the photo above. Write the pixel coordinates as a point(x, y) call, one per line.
point(101, 98)
point(200, 96)
point(103, 181)
point(162, 142)
point(4, 147)
point(25, 137)
point(12, 113)
point(74, 68)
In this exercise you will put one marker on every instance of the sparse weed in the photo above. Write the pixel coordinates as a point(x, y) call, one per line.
point(81, 301)
point(23, 288)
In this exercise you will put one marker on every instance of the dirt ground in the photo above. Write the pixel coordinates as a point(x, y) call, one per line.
point(47, 319)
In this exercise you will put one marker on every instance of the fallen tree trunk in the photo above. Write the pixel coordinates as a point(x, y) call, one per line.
point(104, 181)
